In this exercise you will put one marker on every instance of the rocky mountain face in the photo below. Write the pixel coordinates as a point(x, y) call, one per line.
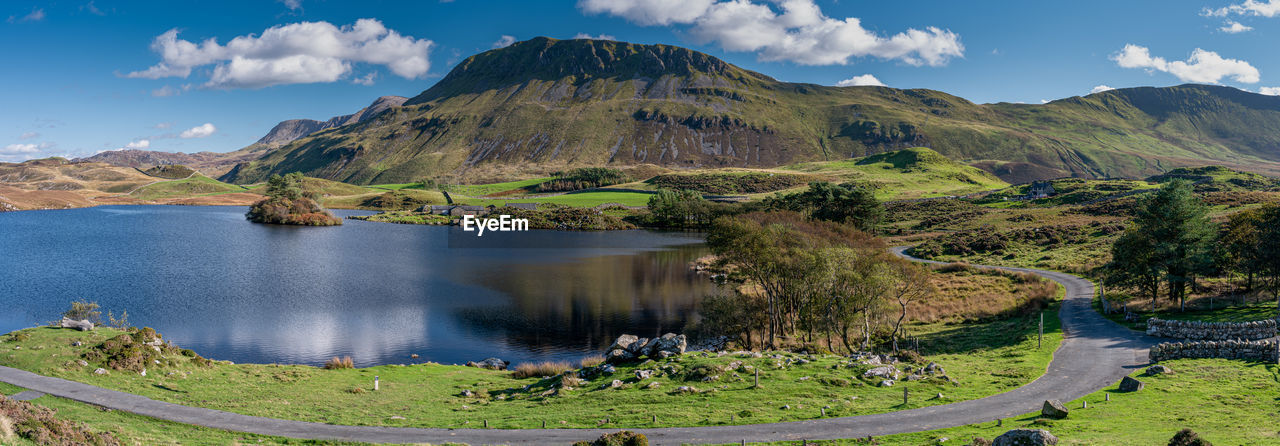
point(293, 129)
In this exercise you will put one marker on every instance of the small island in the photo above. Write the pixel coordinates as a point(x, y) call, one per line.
point(290, 202)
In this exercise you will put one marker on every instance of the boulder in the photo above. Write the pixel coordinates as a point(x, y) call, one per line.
point(623, 342)
point(618, 355)
point(100, 371)
point(1158, 370)
point(1025, 437)
point(1054, 409)
point(638, 348)
point(643, 374)
point(670, 343)
point(490, 363)
point(467, 393)
point(612, 384)
point(1128, 384)
point(882, 372)
point(886, 383)
point(82, 325)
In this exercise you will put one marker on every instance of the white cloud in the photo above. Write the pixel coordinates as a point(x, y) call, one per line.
point(858, 81)
point(799, 32)
point(163, 126)
point(504, 41)
point(366, 80)
point(29, 135)
point(139, 144)
point(1269, 8)
point(92, 9)
point(293, 5)
point(36, 15)
point(649, 12)
point(1044, 101)
point(1202, 66)
point(199, 131)
point(296, 53)
point(20, 148)
point(1100, 89)
point(1234, 27)
point(1269, 91)
point(599, 37)
point(169, 90)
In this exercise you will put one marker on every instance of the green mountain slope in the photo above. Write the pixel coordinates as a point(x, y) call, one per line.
point(549, 103)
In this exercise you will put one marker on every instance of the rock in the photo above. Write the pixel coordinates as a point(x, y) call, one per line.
point(1158, 370)
point(653, 385)
point(1025, 437)
point(144, 372)
point(785, 407)
point(686, 389)
point(490, 363)
point(638, 348)
point(643, 374)
point(886, 383)
point(1128, 384)
point(618, 355)
point(397, 417)
point(100, 371)
point(670, 343)
point(882, 372)
point(933, 368)
point(607, 369)
point(77, 344)
point(467, 393)
point(83, 363)
point(874, 360)
point(1054, 409)
point(612, 385)
point(939, 396)
point(82, 325)
point(623, 342)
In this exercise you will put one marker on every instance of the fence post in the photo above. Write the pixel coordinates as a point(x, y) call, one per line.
point(1040, 340)
point(904, 396)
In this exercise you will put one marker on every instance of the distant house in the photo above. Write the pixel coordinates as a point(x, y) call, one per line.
point(1040, 189)
point(437, 209)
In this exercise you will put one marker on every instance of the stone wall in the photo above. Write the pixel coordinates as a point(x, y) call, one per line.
point(1212, 331)
point(1244, 350)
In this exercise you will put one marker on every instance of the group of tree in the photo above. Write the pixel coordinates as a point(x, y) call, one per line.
point(1172, 241)
point(805, 280)
point(847, 204)
point(582, 178)
point(290, 202)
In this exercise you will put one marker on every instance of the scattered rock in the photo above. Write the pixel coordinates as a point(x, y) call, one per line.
point(490, 363)
point(100, 371)
point(643, 374)
point(397, 417)
point(83, 363)
point(82, 325)
point(653, 385)
point(144, 372)
point(77, 344)
point(612, 385)
point(1158, 370)
point(786, 407)
point(1128, 384)
point(467, 393)
point(686, 389)
point(882, 372)
point(1025, 437)
point(939, 396)
point(886, 383)
point(1054, 409)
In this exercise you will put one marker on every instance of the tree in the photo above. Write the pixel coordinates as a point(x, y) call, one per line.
point(908, 283)
point(1134, 264)
point(1239, 250)
point(1171, 237)
point(681, 208)
point(845, 203)
point(84, 310)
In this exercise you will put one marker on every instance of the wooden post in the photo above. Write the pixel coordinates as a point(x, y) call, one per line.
point(655, 419)
point(824, 412)
point(999, 422)
point(757, 377)
point(1085, 405)
point(544, 424)
point(486, 424)
point(375, 382)
point(1108, 394)
point(1040, 340)
point(904, 396)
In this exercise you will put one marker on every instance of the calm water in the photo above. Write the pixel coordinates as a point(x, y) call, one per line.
point(210, 281)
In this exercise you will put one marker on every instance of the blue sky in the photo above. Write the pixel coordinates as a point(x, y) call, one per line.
point(85, 76)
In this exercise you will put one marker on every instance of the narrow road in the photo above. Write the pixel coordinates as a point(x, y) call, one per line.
point(1094, 354)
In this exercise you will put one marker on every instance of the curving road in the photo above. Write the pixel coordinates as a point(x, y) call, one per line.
point(1094, 354)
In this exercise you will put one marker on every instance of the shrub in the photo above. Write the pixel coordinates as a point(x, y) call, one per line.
point(910, 356)
point(979, 441)
point(356, 390)
point(622, 438)
point(730, 183)
point(1188, 437)
point(38, 425)
point(591, 361)
point(84, 311)
point(336, 363)
point(582, 178)
point(122, 323)
point(569, 379)
point(19, 337)
point(540, 369)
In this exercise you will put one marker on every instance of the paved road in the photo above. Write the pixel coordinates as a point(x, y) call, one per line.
point(1094, 354)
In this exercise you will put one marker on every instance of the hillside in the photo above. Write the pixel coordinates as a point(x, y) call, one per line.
point(906, 174)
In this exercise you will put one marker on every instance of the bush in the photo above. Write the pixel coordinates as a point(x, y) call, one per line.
point(979, 441)
point(18, 337)
point(540, 369)
point(910, 356)
point(336, 363)
point(1188, 437)
point(582, 178)
point(282, 211)
point(38, 425)
point(127, 351)
point(730, 183)
point(570, 379)
point(622, 438)
point(84, 311)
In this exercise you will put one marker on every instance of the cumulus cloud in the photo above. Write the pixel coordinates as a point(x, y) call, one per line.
point(1234, 27)
point(293, 5)
point(20, 148)
point(36, 15)
point(305, 52)
point(366, 80)
point(504, 41)
point(199, 131)
point(599, 37)
point(1269, 91)
point(139, 144)
point(1269, 8)
point(1100, 89)
point(790, 30)
point(1202, 66)
point(858, 81)
point(649, 12)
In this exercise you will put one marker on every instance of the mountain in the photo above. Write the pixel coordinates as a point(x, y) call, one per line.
point(217, 164)
point(547, 104)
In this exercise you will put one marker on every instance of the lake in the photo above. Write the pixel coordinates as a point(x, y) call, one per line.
point(210, 281)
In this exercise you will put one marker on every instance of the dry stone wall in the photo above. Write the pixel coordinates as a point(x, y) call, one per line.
point(1212, 331)
point(1265, 351)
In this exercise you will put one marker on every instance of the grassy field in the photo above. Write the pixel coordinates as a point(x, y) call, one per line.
point(476, 190)
point(1226, 402)
point(907, 174)
point(984, 358)
point(196, 185)
point(577, 199)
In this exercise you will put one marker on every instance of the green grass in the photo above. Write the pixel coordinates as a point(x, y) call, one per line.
point(1226, 402)
point(576, 199)
point(476, 190)
point(907, 173)
point(985, 358)
point(197, 185)
point(405, 217)
point(1223, 311)
point(397, 186)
